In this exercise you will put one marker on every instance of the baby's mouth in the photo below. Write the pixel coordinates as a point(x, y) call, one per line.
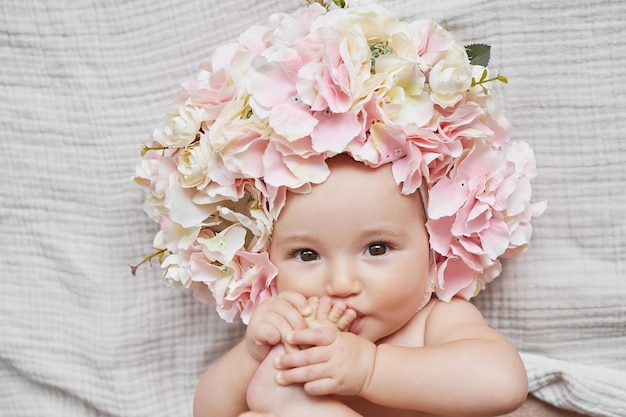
point(357, 325)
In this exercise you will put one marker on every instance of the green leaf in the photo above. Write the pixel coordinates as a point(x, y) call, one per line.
point(340, 3)
point(484, 75)
point(478, 54)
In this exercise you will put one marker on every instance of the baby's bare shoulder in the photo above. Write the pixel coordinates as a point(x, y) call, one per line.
point(453, 320)
point(439, 322)
point(457, 309)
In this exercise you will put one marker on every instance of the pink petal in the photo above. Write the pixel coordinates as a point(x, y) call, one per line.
point(446, 197)
point(519, 198)
point(481, 160)
point(182, 209)
point(333, 132)
point(272, 84)
point(277, 173)
point(292, 121)
point(453, 275)
point(204, 271)
point(308, 170)
point(408, 170)
point(478, 218)
point(440, 236)
point(521, 235)
point(495, 238)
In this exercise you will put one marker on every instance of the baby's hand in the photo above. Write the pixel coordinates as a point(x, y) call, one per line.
point(331, 361)
point(325, 314)
point(273, 320)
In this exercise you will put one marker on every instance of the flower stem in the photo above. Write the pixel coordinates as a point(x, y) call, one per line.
point(159, 253)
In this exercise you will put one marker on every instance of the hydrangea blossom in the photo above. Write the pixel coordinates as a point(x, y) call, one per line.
point(264, 115)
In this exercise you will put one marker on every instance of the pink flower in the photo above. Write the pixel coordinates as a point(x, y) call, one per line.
point(244, 154)
point(154, 171)
point(239, 286)
point(255, 286)
point(328, 83)
point(209, 91)
point(469, 210)
point(433, 41)
point(384, 144)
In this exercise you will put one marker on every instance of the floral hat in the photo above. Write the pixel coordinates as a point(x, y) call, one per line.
point(265, 113)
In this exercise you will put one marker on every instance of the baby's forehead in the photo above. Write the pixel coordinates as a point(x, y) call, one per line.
point(350, 185)
point(362, 170)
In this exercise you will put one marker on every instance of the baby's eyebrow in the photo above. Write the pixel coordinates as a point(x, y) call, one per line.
point(295, 238)
point(374, 231)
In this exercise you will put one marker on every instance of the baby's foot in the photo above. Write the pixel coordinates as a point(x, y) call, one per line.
point(266, 395)
point(325, 314)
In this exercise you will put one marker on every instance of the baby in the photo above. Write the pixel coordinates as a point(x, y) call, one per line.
point(343, 182)
point(403, 353)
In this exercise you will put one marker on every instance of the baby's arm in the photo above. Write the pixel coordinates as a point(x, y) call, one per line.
point(222, 389)
point(464, 369)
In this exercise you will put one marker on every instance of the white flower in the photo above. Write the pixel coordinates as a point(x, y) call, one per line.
point(175, 272)
point(193, 165)
point(361, 28)
point(406, 102)
point(450, 78)
point(180, 128)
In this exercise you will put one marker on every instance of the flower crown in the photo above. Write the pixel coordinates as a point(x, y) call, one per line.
point(264, 115)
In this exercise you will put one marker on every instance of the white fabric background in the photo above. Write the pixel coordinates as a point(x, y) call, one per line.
point(82, 84)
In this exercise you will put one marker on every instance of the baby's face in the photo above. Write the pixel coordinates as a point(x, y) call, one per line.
point(357, 239)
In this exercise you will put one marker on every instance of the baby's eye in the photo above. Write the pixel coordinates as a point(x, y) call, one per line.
point(306, 255)
point(377, 249)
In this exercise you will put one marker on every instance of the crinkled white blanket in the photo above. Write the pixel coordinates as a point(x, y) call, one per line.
point(82, 84)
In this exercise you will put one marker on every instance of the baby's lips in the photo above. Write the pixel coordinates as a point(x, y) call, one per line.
point(356, 325)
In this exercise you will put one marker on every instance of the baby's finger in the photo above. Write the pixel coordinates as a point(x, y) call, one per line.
point(324, 386)
point(297, 300)
point(301, 358)
point(318, 336)
point(293, 307)
point(286, 316)
point(302, 374)
point(266, 333)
